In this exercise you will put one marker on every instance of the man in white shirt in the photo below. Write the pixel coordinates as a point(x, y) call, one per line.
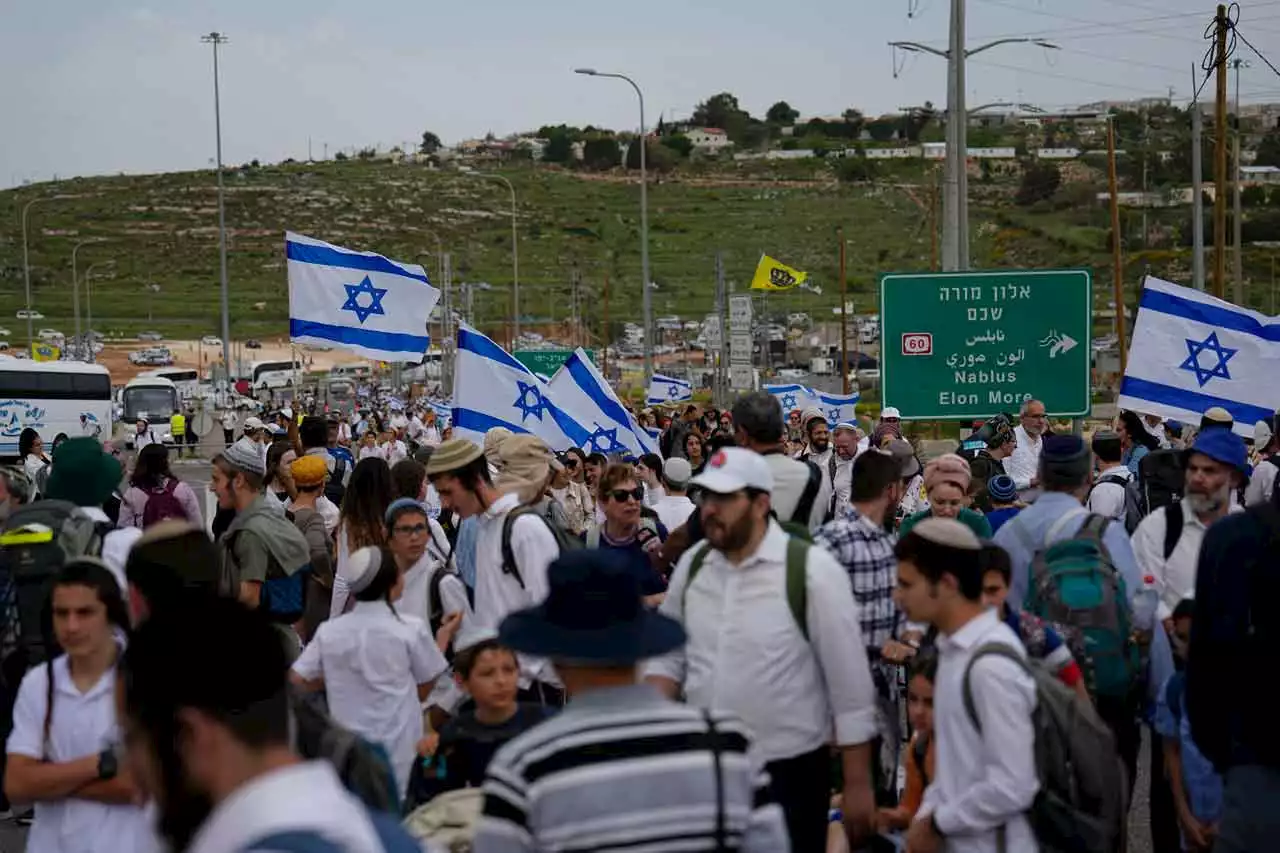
point(674, 508)
point(460, 474)
point(986, 773)
point(1167, 542)
point(845, 442)
point(1154, 425)
point(1023, 465)
point(229, 421)
point(801, 492)
point(231, 782)
point(787, 663)
point(1262, 484)
point(1107, 497)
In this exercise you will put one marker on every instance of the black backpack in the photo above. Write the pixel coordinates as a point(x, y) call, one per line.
point(565, 540)
point(1132, 501)
point(1161, 479)
point(363, 767)
point(804, 509)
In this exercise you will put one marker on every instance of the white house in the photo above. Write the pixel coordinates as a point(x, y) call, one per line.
point(1254, 175)
point(708, 139)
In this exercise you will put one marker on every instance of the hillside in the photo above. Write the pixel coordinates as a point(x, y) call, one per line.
point(162, 230)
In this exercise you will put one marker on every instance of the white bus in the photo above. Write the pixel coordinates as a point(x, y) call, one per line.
point(270, 375)
point(50, 397)
point(153, 398)
point(187, 379)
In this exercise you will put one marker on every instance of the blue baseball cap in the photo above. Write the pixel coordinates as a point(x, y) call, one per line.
point(1221, 445)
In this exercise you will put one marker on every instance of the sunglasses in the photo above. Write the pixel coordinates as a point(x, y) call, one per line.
point(620, 495)
point(414, 530)
point(571, 463)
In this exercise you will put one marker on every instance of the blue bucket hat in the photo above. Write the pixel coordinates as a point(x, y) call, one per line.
point(1002, 489)
point(1221, 445)
point(593, 613)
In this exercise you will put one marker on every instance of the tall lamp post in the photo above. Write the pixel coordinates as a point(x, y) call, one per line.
point(955, 200)
point(515, 255)
point(26, 261)
point(88, 295)
point(216, 38)
point(647, 297)
point(75, 282)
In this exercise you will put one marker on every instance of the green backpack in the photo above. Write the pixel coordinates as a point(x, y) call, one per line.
point(797, 577)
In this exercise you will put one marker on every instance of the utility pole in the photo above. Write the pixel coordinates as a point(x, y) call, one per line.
point(1117, 267)
point(447, 345)
point(1220, 160)
point(215, 39)
point(844, 313)
point(604, 332)
point(720, 392)
point(1197, 192)
point(723, 317)
point(575, 334)
point(933, 227)
point(1237, 258)
point(1146, 128)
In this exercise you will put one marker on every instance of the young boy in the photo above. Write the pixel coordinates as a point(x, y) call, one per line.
point(1003, 497)
point(1197, 787)
point(458, 756)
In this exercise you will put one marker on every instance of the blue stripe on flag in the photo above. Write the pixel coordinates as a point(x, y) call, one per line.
point(1210, 315)
point(485, 348)
point(1192, 401)
point(584, 380)
point(327, 256)
point(470, 419)
point(573, 430)
point(355, 336)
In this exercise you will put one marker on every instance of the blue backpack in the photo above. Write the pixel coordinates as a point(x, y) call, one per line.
point(1075, 587)
point(393, 837)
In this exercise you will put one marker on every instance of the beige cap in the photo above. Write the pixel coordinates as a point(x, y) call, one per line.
point(525, 462)
point(453, 454)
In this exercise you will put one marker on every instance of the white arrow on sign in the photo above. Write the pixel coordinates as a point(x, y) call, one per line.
point(1058, 344)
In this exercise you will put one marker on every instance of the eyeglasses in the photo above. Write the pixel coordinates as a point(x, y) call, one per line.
point(415, 530)
point(620, 495)
point(571, 463)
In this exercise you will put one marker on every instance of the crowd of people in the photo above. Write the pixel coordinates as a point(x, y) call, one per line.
point(776, 634)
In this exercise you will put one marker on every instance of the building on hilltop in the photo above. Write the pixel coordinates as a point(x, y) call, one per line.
point(708, 140)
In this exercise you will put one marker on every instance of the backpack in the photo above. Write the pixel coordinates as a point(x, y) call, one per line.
point(797, 580)
point(804, 509)
point(363, 766)
point(333, 488)
point(1075, 587)
point(393, 838)
point(1173, 523)
point(564, 540)
point(1161, 479)
point(1132, 500)
point(36, 541)
point(162, 504)
point(1083, 801)
point(448, 821)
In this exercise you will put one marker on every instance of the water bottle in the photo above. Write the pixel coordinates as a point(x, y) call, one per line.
point(1145, 602)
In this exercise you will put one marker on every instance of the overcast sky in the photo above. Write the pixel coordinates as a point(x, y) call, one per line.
point(103, 86)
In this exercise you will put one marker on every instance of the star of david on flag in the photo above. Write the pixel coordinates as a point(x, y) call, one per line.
point(667, 389)
point(529, 409)
point(580, 390)
point(1192, 351)
point(360, 301)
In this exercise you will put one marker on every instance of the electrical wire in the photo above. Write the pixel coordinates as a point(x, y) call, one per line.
point(1248, 44)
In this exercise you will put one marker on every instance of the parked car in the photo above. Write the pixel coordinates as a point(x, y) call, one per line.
point(24, 314)
point(150, 336)
point(211, 341)
point(4, 333)
point(253, 343)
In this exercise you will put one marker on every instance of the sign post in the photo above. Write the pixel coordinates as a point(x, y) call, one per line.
point(741, 375)
point(967, 345)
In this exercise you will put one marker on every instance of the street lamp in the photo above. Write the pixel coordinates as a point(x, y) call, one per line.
point(215, 39)
point(515, 253)
point(647, 298)
point(26, 262)
point(955, 200)
point(75, 280)
point(88, 295)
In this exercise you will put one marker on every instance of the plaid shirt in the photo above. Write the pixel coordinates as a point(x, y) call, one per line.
point(865, 549)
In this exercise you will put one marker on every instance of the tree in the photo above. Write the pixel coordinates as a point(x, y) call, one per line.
point(1040, 181)
point(882, 129)
point(722, 111)
point(1268, 150)
point(678, 143)
point(430, 143)
point(601, 153)
point(1254, 196)
point(855, 119)
point(782, 114)
point(559, 147)
point(340, 156)
point(917, 120)
point(856, 168)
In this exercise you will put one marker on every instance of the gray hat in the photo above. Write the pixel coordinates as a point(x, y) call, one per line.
point(906, 456)
point(677, 472)
point(947, 532)
point(246, 455)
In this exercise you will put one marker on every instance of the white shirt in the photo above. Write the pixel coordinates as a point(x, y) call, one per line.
point(1024, 464)
point(90, 429)
point(372, 661)
point(673, 511)
point(374, 452)
point(1262, 483)
point(115, 545)
point(142, 439)
point(745, 653)
point(1108, 498)
point(305, 796)
point(843, 483)
point(415, 600)
point(497, 593)
point(1175, 578)
point(83, 724)
point(344, 432)
point(982, 780)
point(399, 421)
point(653, 494)
point(396, 450)
point(430, 436)
point(790, 476)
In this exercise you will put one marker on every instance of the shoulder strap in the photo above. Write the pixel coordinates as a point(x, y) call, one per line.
point(295, 841)
point(798, 583)
point(1051, 535)
point(435, 604)
point(998, 649)
point(804, 509)
point(508, 555)
point(1173, 522)
point(695, 565)
point(171, 486)
point(1115, 480)
point(714, 737)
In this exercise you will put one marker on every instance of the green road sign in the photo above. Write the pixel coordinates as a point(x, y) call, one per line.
point(971, 344)
point(547, 361)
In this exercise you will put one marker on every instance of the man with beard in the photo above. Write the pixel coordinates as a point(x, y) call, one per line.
point(1167, 542)
point(1023, 464)
point(774, 638)
point(210, 741)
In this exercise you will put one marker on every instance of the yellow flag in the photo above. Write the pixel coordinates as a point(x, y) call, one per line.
point(45, 352)
point(773, 275)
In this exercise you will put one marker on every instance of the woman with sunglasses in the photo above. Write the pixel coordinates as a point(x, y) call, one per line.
point(627, 529)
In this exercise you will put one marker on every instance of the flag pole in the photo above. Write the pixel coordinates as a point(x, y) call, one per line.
point(1117, 268)
point(844, 314)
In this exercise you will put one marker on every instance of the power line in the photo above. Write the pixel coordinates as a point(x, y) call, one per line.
point(1106, 84)
point(1235, 32)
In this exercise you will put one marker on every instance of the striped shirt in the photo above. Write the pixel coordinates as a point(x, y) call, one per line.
point(623, 769)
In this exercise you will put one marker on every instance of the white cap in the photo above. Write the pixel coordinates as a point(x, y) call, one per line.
point(252, 423)
point(362, 567)
point(846, 426)
point(676, 470)
point(890, 412)
point(733, 469)
point(287, 412)
point(276, 429)
point(470, 636)
point(1261, 434)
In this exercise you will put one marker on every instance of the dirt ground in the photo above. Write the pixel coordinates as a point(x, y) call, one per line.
point(190, 353)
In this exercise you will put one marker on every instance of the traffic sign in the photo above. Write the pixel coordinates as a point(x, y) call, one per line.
point(742, 377)
point(547, 361)
point(970, 344)
point(711, 332)
point(740, 348)
point(740, 311)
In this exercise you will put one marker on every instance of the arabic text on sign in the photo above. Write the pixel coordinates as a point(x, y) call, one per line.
point(990, 336)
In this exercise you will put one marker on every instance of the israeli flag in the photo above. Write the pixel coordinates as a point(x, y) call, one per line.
point(492, 389)
point(839, 408)
point(667, 389)
point(1192, 352)
point(792, 397)
point(583, 392)
point(360, 301)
